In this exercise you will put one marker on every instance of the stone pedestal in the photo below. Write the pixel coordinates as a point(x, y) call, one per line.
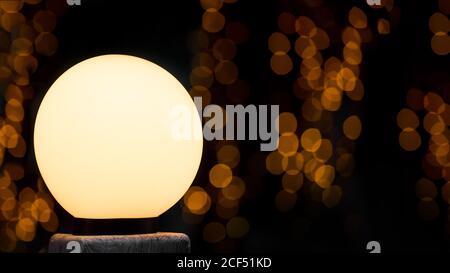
point(161, 242)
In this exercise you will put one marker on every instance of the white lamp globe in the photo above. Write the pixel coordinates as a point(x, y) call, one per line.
point(104, 140)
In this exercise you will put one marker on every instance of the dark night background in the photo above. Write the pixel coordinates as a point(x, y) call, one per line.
point(379, 202)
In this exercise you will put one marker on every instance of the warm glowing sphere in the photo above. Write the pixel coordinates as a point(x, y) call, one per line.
point(104, 139)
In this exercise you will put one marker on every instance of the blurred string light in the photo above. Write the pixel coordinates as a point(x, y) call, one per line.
point(434, 114)
point(439, 24)
point(432, 111)
point(312, 155)
point(215, 45)
point(22, 41)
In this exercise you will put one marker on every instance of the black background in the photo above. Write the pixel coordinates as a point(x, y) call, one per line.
point(379, 201)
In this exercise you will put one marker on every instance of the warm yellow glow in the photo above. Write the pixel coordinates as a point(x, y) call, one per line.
point(103, 139)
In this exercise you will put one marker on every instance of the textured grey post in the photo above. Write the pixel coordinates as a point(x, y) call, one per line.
point(161, 242)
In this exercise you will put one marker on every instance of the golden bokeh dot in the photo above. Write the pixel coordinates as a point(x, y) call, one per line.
point(220, 175)
point(214, 232)
point(213, 21)
point(287, 122)
point(46, 44)
point(274, 163)
point(285, 201)
point(197, 200)
point(22, 46)
point(11, 5)
point(25, 229)
point(226, 72)
point(237, 227)
point(410, 140)
point(346, 79)
point(224, 49)
point(352, 53)
point(407, 119)
point(325, 151)
point(25, 65)
point(228, 155)
point(235, 189)
point(202, 75)
point(288, 144)
point(350, 34)
point(439, 23)
point(357, 18)
point(352, 127)
point(331, 196)
point(10, 20)
point(324, 176)
point(279, 42)
point(440, 43)
point(425, 188)
point(14, 110)
point(5, 180)
point(44, 21)
point(434, 103)
point(292, 183)
point(304, 25)
point(311, 74)
point(311, 139)
point(27, 195)
point(281, 63)
point(7, 193)
point(358, 92)
point(8, 207)
point(331, 99)
point(383, 26)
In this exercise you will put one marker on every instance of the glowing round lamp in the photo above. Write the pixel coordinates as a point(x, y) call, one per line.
point(104, 139)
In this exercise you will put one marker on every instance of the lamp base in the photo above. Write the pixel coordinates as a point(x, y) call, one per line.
point(160, 242)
